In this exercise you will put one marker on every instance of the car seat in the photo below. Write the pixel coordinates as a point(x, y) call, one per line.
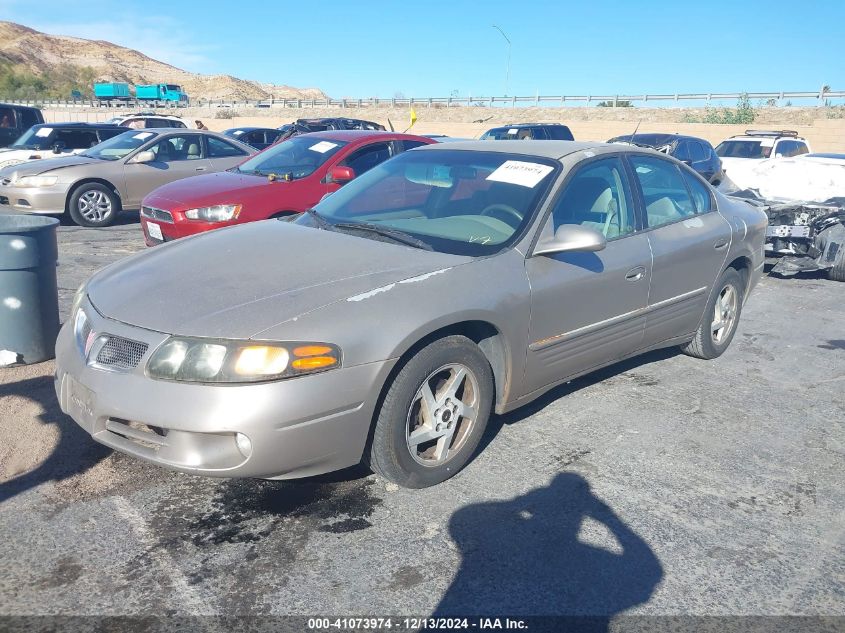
point(193, 151)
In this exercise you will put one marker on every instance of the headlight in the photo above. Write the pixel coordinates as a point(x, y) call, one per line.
point(77, 300)
point(36, 181)
point(222, 361)
point(217, 213)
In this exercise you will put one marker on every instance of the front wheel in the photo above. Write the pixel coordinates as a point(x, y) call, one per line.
point(433, 415)
point(93, 205)
point(720, 320)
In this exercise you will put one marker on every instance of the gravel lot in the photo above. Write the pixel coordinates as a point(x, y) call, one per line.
point(664, 485)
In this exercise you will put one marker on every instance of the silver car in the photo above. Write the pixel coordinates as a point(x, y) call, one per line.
point(388, 323)
point(94, 186)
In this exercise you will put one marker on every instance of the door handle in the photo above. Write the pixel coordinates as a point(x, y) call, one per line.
point(720, 244)
point(635, 274)
point(200, 168)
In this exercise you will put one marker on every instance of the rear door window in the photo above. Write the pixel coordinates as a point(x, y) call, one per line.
point(701, 197)
point(539, 133)
point(664, 190)
point(559, 133)
point(682, 151)
point(366, 158)
point(218, 148)
point(29, 118)
point(699, 153)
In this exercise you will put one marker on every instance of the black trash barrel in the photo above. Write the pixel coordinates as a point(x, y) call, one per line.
point(29, 301)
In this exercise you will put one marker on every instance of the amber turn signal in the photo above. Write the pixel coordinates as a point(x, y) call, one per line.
point(313, 362)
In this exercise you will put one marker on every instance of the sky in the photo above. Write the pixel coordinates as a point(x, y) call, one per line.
point(437, 48)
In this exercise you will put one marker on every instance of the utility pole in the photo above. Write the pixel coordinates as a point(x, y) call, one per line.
point(508, 67)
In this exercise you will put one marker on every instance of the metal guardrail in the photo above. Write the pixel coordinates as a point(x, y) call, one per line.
point(548, 100)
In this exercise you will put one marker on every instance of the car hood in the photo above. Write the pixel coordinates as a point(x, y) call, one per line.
point(238, 281)
point(219, 188)
point(52, 164)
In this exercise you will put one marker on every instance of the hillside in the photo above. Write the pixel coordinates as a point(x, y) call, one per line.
point(53, 58)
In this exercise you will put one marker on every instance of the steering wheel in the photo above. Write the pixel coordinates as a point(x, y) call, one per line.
point(505, 212)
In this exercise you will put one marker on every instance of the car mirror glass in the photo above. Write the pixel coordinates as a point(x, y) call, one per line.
point(147, 156)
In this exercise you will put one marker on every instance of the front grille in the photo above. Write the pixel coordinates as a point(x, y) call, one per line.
point(120, 353)
point(157, 214)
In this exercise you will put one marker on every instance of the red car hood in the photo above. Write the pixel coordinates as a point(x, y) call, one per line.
point(225, 187)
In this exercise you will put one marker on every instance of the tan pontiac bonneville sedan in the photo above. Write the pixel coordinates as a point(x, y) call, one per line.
point(94, 186)
point(385, 325)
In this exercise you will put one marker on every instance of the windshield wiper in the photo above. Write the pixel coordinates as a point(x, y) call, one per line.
point(319, 220)
point(394, 234)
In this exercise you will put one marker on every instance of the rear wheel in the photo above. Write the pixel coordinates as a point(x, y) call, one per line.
point(93, 204)
point(837, 273)
point(433, 415)
point(720, 320)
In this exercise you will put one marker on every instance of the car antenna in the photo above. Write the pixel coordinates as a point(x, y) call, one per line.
point(390, 125)
point(635, 131)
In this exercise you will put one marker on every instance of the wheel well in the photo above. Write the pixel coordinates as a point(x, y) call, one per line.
point(86, 181)
point(482, 333)
point(742, 265)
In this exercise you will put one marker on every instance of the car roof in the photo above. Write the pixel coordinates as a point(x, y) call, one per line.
point(518, 125)
point(355, 135)
point(19, 107)
point(663, 136)
point(78, 124)
point(544, 149)
point(250, 129)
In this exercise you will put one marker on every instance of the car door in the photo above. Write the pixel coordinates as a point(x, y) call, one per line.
point(588, 308)
point(222, 154)
point(689, 242)
point(361, 160)
point(177, 156)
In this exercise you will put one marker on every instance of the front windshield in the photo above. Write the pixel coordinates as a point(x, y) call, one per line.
point(745, 149)
point(34, 138)
point(119, 146)
point(297, 157)
point(455, 201)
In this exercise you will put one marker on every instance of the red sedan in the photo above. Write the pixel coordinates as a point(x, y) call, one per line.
point(284, 179)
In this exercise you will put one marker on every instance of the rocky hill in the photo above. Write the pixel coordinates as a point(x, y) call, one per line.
point(28, 50)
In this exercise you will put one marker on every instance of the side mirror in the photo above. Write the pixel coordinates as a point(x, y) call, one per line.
point(571, 237)
point(147, 156)
point(341, 175)
point(58, 147)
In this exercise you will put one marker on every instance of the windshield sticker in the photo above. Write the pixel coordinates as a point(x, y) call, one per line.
point(513, 130)
point(44, 131)
point(322, 147)
point(237, 132)
point(517, 172)
point(142, 135)
point(767, 142)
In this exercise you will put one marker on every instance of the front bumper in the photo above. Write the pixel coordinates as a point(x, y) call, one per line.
point(297, 427)
point(174, 230)
point(34, 199)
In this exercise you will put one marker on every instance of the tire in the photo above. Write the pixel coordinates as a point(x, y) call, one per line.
point(396, 451)
point(93, 205)
point(710, 343)
point(837, 273)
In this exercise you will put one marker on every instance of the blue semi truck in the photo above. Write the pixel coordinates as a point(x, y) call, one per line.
point(165, 94)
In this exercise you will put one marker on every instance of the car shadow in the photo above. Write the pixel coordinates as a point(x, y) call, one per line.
point(534, 556)
point(123, 218)
point(74, 453)
point(497, 422)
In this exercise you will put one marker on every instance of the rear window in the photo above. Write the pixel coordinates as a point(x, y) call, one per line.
point(7, 117)
point(560, 133)
point(746, 148)
point(29, 118)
